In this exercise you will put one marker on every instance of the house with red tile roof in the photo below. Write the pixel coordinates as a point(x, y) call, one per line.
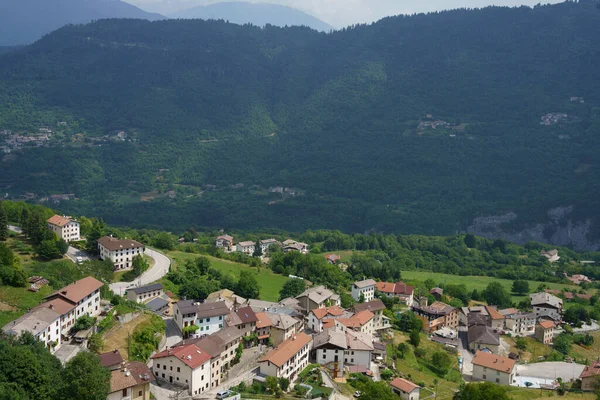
point(318, 315)
point(399, 289)
point(288, 359)
point(544, 331)
point(131, 380)
point(185, 365)
point(589, 376)
point(65, 228)
point(492, 368)
point(406, 389)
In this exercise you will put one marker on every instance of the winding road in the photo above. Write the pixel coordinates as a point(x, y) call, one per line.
point(160, 268)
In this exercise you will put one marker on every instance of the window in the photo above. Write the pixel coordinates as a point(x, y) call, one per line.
point(178, 369)
point(140, 393)
point(497, 380)
point(221, 318)
point(484, 376)
point(124, 392)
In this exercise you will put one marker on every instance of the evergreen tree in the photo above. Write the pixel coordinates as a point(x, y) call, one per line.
point(257, 250)
point(3, 223)
point(85, 378)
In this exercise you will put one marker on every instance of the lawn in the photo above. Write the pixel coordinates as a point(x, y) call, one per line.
point(270, 283)
point(477, 282)
point(535, 349)
point(118, 335)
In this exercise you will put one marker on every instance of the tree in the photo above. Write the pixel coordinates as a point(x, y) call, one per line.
point(415, 338)
point(481, 391)
point(292, 288)
point(441, 361)
point(361, 298)
point(496, 294)
point(376, 390)
point(475, 295)
point(521, 343)
point(271, 384)
point(257, 250)
point(470, 241)
point(98, 230)
point(562, 343)
point(386, 374)
point(3, 223)
point(247, 286)
point(82, 323)
point(164, 241)
point(85, 378)
point(520, 287)
point(47, 250)
point(402, 349)
point(284, 383)
point(96, 343)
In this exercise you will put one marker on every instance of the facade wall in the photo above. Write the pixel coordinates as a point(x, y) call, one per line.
point(547, 312)
point(143, 297)
point(89, 305)
point(172, 369)
point(368, 292)
point(69, 232)
point(486, 374)
point(314, 323)
point(210, 325)
point(520, 326)
point(358, 357)
point(120, 258)
point(476, 346)
point(139, 392)
point(52, 334)
point(269, 369)
point(281, 335)
point(590, 383)
point(414, 395)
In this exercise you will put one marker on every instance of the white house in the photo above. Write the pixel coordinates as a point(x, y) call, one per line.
point(492, 368)
point(145, 293)
point(380, 321)
point(224, 242)
point(119, 251)
point(519, 323)
point(184, 365)
point(336, 349)
point(318, 315)
point(363, 321)
point(287, 359)
point(546, 305)
point(65, 228)
point(406, 389)
point(245, 247)
point(208, 317)
point(399, 289)
point(318, 297)
point(42, 323)
point(265, 244)
point(366, 288)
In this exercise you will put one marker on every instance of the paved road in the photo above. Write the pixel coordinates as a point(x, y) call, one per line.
point(73, 253)
point(158, 270)
point(463, 349)
point(172, 333)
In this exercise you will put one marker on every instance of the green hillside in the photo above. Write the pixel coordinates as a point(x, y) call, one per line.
point(215, 114)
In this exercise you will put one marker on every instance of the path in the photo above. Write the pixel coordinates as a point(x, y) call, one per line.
point(467, 356)
point(160, 268)
point(72, 253)
point(328, 382)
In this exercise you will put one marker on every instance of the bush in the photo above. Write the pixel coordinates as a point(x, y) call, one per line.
point(386, 374)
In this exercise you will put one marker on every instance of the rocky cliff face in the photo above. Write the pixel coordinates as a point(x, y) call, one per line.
point(560, 229)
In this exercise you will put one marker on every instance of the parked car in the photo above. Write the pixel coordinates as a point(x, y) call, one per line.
point(357, 394)
point(223, 394)
point(79, 260)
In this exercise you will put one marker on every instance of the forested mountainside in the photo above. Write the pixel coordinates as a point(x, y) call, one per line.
point(25, 21)
point(258, 14)
point(413, 124)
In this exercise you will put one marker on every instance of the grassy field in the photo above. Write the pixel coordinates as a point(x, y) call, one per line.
point(475, 282)
point(270, 283)
point(117, 337)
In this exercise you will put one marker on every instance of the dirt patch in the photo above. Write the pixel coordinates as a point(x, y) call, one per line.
point(117, 337)
point(7, 307)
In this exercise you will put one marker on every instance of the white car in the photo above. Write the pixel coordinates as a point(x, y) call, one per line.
point(79, 260)
point(357, 394)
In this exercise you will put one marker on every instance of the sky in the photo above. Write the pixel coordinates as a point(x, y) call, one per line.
point(340, 13)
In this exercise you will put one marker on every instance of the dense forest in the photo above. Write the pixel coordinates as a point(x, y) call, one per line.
point(215, 114)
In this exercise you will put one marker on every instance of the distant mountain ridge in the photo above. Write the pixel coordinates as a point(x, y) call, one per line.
point(25, 21)
point(258, 14)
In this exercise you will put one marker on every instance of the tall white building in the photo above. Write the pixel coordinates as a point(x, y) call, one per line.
point(65, 228)
point(42, 323)
point(119, 251)
point(366, 288)
point(208, 317)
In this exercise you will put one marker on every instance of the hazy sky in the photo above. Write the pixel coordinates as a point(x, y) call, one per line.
point(339, 13)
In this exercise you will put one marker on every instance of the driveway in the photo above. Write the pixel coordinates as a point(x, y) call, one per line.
point(160, 268)
point(73, 253)
point(548, 371)
point(172, 333)
point(463, 350)
point(67, 351)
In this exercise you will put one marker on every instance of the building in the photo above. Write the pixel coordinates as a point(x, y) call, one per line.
point(292, 245)
point(158, 305)
point(283, 327)
point(365, 288)
point(244, 319)
point(65, 228)
point(227, 296)
point(405, 389)
point(318, 297)
point(589, 377)
point(263, 327)
point(111, 360)
point(473, 315)
point(496, 318)
point(119, 251)
point(482, 337)
point(131, 381)
point(362, 321)
point(144, 293)
point(544, 332)
point(399, 289)
point(436, 316)
point(578, 279)
point(437, 293)
point(336, 349)
point(208, 317)
point(80, 298)
point(518, 323)
point(333, 258)
point(546, 305)
point(265, 244)
point(184, 365)
point(42, 323)
point(492, 368)
point(245, 247)
point(551, 255)
point(287, 359)
point(318, 315)
point(380, 321)
point(224, 242)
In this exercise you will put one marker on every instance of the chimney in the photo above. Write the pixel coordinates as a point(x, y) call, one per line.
point(52, 306)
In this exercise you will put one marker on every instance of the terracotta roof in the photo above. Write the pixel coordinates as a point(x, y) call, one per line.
point(77, 290)
point(546, 324)
point(58, 304)
point(395, 288)
point(403, 385)
point(110, 358)
point(363, 316)
point(373, 305)
point(321, 313)
point(110, 243)
point(59, 220)
point(328, 323)
point(225, 237)
point(494, 362)
point(385, 287)
point(137, 373)
point(247, 315)
point(493, 313)
point(287, 349)
point(437, 290)
point(591, 370)
point(509, 311)
point(190, 354)
point(263, 320)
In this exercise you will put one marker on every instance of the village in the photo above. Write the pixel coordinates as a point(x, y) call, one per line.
point(220, 346)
